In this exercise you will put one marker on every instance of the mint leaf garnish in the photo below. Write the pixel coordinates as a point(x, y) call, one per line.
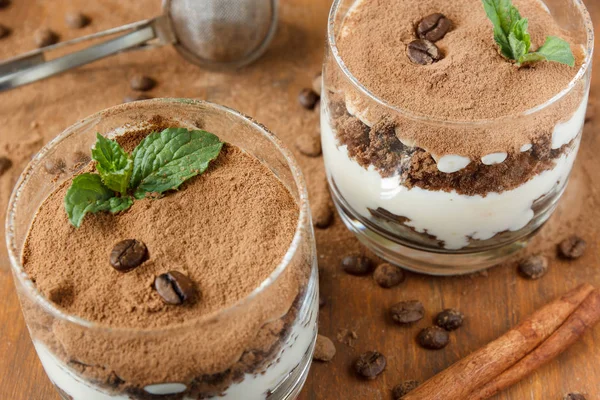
point(510, 32)
point(163, 161)
point(114, 164)
point(88, 194)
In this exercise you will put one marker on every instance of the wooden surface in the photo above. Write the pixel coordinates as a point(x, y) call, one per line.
point(267, 90)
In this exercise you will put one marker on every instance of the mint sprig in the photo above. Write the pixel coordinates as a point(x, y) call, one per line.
point(161, 162)
point(510, 32)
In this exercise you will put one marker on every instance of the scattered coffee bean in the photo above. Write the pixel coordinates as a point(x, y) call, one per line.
point(370, 364)
point(77, 20)
point(388, 275)
point(324, 349)
point(423, 52)
point(308, 98)
point(407, 312)
point(575, 396)
point(136, 97)
point(142, 83)
point(433, 338)
point(128, 254)
point(4, 31)
point(174, 287)
point(450, 319)
point(356, 264)
point(5, 164)
point(317, 84)
point(534, 267)
point(55, 166)
point(433, 27)
point(572, 247)
point(403, 388)
point(308, 144)
point(45, 37)
point(322, 214)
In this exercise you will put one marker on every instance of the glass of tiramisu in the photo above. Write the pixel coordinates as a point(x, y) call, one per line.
point(450, 128)
point(170, 257)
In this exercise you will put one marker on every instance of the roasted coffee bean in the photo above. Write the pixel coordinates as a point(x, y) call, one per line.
point(403, 388)
point(136, 97)
point(322, 213)
point(575, 396)
point(77, 20)
point(324, 349)
point(572, 247)
point(45, 37)
point(55, 166)
point(433, 27)
point(308, 98)
point(423, 52)
point(356, 264)
point(308, 144)
point(534, 267)
point(370, 364)
point(4, 31)
point(5, 164)
point(128, 254)
point(142, 83)
point(175, 288)
point(450, 319)
point(407, 312)
point(388, 275)
point(317, 84)
point(433, 338)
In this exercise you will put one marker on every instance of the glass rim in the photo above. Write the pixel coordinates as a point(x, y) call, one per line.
point(32, 291)
point(585, 66)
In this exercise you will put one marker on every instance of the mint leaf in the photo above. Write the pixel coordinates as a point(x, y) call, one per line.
point(114, 164)
point(163, 161)
point(510, 32)
point(88, 194)
point(557, 50)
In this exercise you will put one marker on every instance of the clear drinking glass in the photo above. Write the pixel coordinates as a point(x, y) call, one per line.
point(439, 231)
point(68, 346)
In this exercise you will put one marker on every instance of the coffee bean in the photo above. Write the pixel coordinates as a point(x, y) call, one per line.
point(572, 247)
point(317, 84)
point(322, 213)
point(55, 166)
point(4, 31)
point(175, 287)
point(136, 97)
point(128, 254)
point(308, 98)
point(142, 83)
point(370, 364)
point(45, 37)
point(423, 52)
point(450, 319)
point(355, 264)
point(388, 275)
point(574, 396)
point(324, 349)
point(433, 27)
point(407, 312)
point(433, 338)
point(403, 388)
point(534, 267)
point(77, 20)
point(5, 164)
point(308, 144)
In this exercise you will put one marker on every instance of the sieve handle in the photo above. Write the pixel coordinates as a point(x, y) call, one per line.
point(32, 66)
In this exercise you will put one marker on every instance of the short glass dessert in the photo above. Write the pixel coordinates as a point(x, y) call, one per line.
point(443, 155)
point(207, 291)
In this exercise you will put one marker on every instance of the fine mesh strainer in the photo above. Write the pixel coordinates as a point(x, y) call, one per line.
point(208, 33)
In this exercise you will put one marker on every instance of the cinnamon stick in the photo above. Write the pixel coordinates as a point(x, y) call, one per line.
point(485, 364)
point(586, 316)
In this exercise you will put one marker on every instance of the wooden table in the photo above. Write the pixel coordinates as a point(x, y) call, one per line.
point(493, 302)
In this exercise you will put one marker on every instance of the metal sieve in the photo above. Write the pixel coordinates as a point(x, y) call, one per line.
point(208, 33)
